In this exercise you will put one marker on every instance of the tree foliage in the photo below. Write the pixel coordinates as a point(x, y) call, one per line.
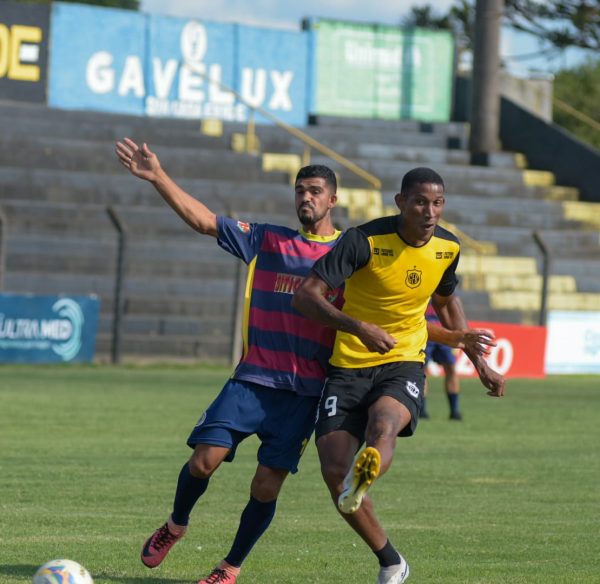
point(460, 20)
point(560, 23)
point(580, 88)
point(563, 23)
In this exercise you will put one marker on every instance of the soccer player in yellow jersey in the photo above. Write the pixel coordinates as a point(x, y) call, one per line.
point(391, 267)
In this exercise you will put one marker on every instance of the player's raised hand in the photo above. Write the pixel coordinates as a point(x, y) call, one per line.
point(141, 162)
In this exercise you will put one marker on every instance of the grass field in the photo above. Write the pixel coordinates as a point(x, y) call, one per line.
point(89, 458)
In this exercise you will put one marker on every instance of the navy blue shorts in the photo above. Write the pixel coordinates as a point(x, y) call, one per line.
point(441, 354)
point(283, 421)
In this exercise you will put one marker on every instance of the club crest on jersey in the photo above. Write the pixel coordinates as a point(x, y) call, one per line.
point(243, 227)
point(413, 278)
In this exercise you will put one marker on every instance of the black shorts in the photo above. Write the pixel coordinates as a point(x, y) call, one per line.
point(349, 393)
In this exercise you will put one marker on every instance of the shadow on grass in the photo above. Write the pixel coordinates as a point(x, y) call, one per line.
point(26, 572)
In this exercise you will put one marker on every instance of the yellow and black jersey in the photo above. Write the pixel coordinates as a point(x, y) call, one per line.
point(388, 283)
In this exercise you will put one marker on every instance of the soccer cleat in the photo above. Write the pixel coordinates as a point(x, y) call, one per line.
point(219, 576)
point(456, 416)
point(359, 478)
point(395, 574)
point(157, 546)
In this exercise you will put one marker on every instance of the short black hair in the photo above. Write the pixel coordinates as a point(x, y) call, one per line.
point(420, 175)
point(318, 171)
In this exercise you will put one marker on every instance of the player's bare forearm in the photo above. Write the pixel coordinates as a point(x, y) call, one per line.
point(192, 211)
point(310, 300)
point(144, 164)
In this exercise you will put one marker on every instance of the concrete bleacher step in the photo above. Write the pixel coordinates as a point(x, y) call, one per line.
point(184, 348)
point(522, 300)
point(70, 283)
point(457, 130)
point(585, 270)
point(519, 240)
point(523, 283)
point(120, 188)
point(97, 156)
point(480, 265)
point(171, 325)
point(172, 258)
point(141, 222)
point(515, 212)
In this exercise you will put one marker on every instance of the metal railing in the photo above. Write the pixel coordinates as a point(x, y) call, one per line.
point(545, 276)
point(2, 248)
point(118, 304)
point(564, 106)
point(309, 141)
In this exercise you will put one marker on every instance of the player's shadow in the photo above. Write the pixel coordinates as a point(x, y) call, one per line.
point(26, 572)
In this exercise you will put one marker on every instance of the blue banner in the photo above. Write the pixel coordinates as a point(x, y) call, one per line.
point(97, 59)
point(184, 57)
point(272, 67)
point(48, 329)
point(125, 62)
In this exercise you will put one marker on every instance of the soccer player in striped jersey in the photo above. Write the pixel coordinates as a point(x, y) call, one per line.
point(282, 369)
point(391, 267)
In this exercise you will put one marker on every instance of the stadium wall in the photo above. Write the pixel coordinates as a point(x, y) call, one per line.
point(119, 61)
point(549, 147)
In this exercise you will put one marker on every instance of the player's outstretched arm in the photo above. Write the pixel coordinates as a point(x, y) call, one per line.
point(451, 313)
point(144, 164)
point(311, 301)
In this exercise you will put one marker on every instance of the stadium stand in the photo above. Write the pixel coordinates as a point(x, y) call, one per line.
point(58, 174)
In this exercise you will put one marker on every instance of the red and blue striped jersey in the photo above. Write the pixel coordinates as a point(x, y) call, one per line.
point(282, 348)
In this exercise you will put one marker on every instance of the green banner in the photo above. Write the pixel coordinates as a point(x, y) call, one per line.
point(375, 71)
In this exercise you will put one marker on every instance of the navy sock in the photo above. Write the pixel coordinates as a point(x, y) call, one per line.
point(453, 401)
point(388, 555)
point(254, 521)
point(189, 490)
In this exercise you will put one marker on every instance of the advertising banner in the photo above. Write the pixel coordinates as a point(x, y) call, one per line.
point(126, 62)
point(573, 342)
point(48, 329)
point(519, 352)
point(272, 68)
point(97, 60)
point(374, 71)
point(23, 50)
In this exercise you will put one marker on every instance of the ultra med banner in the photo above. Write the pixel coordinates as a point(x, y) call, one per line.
point(126, 62)
point(573, 342)
point(47, 329)
point(375, 71)
point(519, 352)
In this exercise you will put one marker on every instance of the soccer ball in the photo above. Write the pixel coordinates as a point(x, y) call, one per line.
point(62, 572)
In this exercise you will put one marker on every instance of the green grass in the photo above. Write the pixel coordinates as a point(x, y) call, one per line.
point(89, 458)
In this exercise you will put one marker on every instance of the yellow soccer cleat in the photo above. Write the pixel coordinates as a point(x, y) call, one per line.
point(361, 476)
